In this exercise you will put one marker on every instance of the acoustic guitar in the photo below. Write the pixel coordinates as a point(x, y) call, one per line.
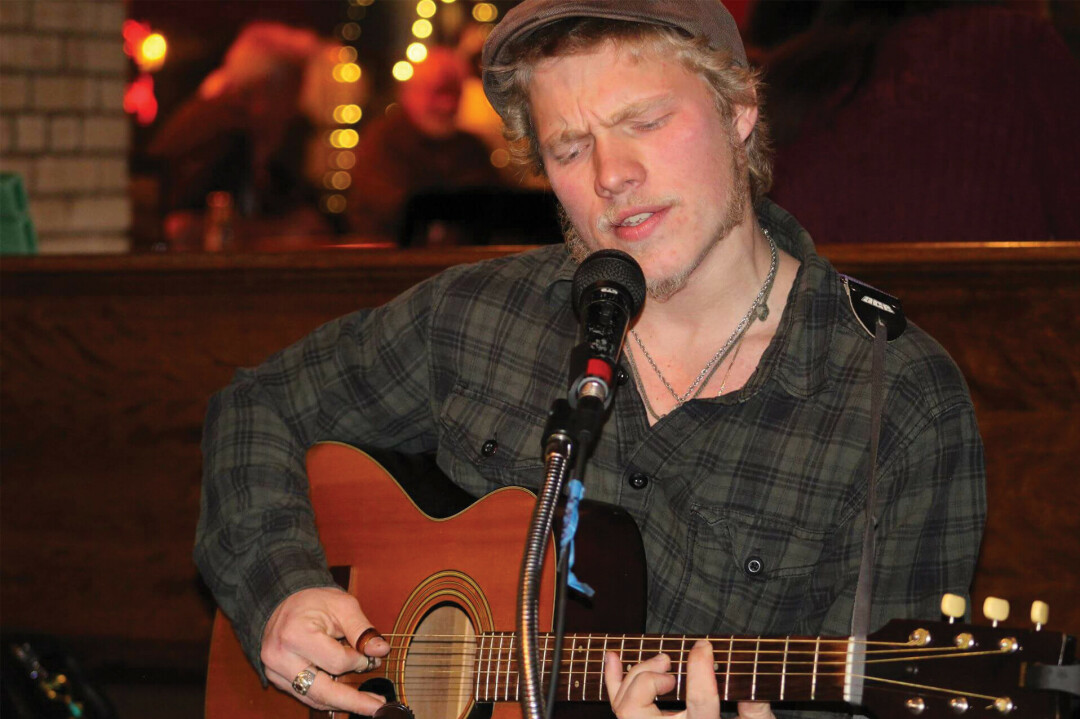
point(443, 593)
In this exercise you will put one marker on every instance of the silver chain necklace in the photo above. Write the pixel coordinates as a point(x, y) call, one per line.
point(759, 309)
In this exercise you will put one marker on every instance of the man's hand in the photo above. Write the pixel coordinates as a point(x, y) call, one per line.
point(304, 631)
point(633, 696)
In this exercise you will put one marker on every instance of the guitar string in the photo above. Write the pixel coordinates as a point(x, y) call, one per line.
point(465, 639)
point(510, 684)
point(465, 662)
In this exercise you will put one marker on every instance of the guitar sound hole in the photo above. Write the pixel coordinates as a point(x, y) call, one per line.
point(439, 677)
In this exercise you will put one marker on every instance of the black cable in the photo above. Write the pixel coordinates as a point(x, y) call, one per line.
point(559, 621)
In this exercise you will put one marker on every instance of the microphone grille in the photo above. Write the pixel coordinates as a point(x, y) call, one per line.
point(613, 266)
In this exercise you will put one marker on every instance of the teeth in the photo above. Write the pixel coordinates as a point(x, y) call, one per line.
point(635, 220)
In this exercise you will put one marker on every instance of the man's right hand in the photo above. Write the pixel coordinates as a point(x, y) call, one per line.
point(304, 631)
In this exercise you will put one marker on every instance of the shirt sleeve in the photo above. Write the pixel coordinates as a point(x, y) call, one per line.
point(363, 379)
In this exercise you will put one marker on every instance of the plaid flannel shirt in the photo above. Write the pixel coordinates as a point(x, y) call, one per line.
point(774, 472)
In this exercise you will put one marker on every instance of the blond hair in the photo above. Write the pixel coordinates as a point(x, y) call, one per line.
point(732, 84)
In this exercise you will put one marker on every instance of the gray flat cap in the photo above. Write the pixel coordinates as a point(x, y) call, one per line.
point(707, 18)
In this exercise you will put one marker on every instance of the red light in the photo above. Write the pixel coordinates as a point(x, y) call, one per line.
point(139, 100)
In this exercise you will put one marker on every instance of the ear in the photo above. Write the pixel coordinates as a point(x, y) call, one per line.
point(745, 119)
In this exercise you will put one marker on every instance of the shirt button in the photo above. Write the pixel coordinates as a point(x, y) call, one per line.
point(621, 377)
point(754, 566)
point(489, 448)
point(638, 480)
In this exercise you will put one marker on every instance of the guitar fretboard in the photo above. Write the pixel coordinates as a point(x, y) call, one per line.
point(747, 668)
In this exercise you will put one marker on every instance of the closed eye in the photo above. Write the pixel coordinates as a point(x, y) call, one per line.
point(646, 126)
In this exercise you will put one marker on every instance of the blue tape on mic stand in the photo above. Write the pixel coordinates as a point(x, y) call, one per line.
point(575, 491)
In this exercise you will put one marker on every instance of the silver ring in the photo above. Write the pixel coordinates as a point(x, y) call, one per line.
point(303, 681)
point(372, 662)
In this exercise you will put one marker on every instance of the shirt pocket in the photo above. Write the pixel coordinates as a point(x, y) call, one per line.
point(751, 572)
point(487, 443)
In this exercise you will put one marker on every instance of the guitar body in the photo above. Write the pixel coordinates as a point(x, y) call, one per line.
point(417, 576)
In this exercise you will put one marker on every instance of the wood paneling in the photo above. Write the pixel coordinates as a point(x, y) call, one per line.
point(108, 364)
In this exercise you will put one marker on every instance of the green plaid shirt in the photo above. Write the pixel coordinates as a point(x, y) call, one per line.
point(774, 472)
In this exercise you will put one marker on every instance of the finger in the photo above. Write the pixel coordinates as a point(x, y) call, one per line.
point(309, 640)
point(702, 695)
point(636, 691)
point(639, 693)
point(613, 675)
point(755, 710)
point(327, 694)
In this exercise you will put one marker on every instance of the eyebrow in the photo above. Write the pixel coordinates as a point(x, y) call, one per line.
point(633, 110)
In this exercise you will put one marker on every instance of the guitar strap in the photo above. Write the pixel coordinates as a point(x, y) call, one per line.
point(860, 613)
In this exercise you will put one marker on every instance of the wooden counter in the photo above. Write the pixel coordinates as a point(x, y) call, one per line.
point(108, 363)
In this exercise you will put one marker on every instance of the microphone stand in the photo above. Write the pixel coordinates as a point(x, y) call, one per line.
point(569, 436)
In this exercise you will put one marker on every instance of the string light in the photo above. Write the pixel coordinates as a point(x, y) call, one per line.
point(484, 12)
point(426, 8)
point(402, 71)
point(416, 52)
point(422, 28)
point(347, 114)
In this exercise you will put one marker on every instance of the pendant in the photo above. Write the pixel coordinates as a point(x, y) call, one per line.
point(763, 312)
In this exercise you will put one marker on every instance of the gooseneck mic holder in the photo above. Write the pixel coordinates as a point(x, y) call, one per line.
point(608, 291)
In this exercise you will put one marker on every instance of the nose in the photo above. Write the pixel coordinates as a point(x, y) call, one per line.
point(618, 169)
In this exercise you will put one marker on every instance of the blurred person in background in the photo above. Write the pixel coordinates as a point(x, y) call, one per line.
point(244, 133)
point(416, 147)
point(925, 121)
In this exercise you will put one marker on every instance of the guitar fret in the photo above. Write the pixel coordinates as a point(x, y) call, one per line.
point(585, 674)
point(480, 654)
point(727, 671)
point(813, 680)
point(783, 668)
point(498, 660)
point(509, 661)
point(544, 661)
point(753, 678)
point(570, 669)
point(679, 674)
point(487, 679)
point(600, 677)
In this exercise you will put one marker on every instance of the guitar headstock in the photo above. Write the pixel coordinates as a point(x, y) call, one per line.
point(950, 669)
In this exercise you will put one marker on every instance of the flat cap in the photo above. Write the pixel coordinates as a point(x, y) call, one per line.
point(704, 18)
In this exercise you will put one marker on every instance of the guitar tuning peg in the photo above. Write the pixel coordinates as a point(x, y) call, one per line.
point(1040, 614)
point(953, 606)
point(996, 609)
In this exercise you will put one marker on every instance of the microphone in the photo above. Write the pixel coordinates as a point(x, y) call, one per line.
point(608, 291)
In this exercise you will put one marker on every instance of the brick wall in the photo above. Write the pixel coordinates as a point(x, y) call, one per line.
point(62, 124)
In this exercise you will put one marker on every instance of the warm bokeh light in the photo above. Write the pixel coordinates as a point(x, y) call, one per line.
point(347, 114)
point(350, 31)
point(347, 72)
point(344, 139)
point(347, 54)
point(362, 3)
point(139, 99)
point(448, 2)
point(403, 70)
point(422, 29)
point(484, 12)
point(344, 160)
point(340, 180)
point(416, 52)
point(335, 204)
point(152, 51)
point(500, 158)
point(426, 8)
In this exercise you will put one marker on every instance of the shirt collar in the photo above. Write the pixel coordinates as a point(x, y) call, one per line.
point(797, 356)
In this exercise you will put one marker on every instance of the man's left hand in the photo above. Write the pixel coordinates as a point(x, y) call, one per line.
point(633, 695)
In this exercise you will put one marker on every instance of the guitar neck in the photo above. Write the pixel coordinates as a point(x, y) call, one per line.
point(747, 668)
